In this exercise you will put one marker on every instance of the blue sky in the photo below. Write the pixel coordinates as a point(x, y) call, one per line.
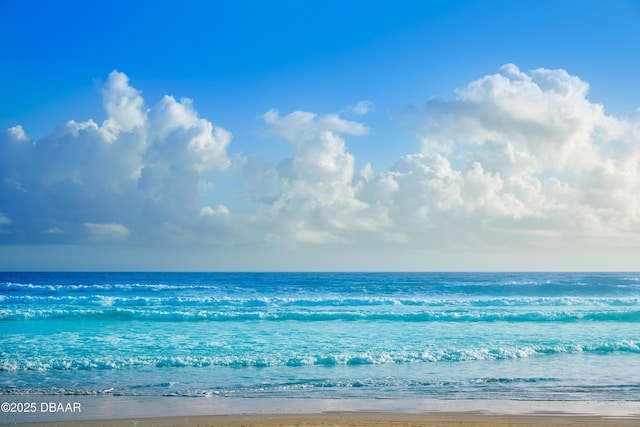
point(442, 135)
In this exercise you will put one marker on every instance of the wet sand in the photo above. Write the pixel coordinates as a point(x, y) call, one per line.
point(112, 411)
point(356, 419)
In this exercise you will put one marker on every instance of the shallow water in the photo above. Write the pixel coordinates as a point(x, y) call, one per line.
point(503, 336)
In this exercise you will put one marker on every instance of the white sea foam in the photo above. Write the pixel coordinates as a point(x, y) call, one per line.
point(350, 335)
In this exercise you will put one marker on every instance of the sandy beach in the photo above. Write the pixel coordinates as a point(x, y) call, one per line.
point(111, 411)
point(356, 419)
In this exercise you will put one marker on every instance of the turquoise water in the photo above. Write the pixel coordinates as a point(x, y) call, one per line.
point(516, 336)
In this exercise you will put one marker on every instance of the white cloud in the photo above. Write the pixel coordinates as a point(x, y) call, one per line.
point(123, 104)
point(300, 125)
point(542, 113)
point(520, 149)
point(18, 133)
point(209, 211)
point(140, 170)
point(362, 107)
point(177, 132)
point(318, 196)
point(110, 231)
point(514, 161)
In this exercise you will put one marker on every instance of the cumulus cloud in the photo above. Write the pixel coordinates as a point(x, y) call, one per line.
point(514, 159)
point(123, 104)
point(133, 177)
point(521, 150)
point(318, 196)
point(542, 112)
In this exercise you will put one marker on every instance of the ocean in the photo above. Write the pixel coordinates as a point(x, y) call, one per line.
point(447, 336)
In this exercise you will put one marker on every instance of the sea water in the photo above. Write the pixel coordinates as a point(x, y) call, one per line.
point(502, 336)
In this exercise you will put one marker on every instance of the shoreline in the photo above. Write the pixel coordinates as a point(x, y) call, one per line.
point(140, 411)
point(354, 419)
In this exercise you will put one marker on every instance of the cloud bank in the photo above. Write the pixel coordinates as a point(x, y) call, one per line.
point(525, 151)
point(134, 177)
point(514, 159)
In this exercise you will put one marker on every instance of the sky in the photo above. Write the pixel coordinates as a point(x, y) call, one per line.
point(320, 135)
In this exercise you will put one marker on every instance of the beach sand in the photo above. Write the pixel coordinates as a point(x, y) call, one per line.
point(355, 419)
point(113, 411)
